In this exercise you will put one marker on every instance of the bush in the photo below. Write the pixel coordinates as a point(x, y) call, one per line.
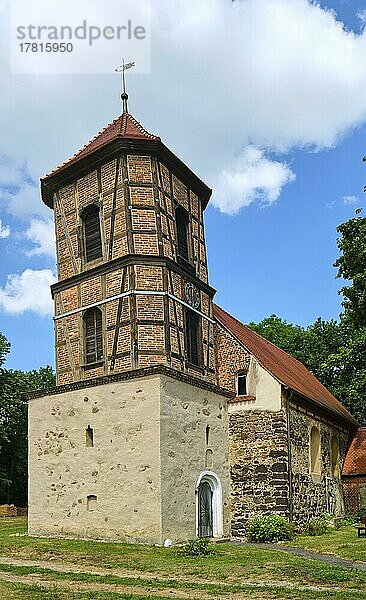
point(360, 513)
point(200, 547)
point(272, 528)
point(319, 525)
point(345, 521)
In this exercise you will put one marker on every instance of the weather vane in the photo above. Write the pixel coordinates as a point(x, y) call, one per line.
point(121, 69)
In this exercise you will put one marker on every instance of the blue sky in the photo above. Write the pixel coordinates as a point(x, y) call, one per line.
point(279, 137)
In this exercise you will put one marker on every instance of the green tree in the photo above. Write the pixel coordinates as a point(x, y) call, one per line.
point(352, 356)
point(4, 348)
point(13, 429)
point(352, 266)
point(313, 345)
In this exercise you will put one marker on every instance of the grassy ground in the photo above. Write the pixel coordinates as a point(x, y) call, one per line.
point(342, 542)
point(50, 569)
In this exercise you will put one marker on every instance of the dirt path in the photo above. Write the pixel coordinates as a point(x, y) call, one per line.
point(258, 588)
point(327, 558)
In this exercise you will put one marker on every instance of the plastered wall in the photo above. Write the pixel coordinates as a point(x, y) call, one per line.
point(122, 469)
point(185, 414)
point(149, 449)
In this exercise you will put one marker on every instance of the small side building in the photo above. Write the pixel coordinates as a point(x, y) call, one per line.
point(288, 435)
point(354, 473)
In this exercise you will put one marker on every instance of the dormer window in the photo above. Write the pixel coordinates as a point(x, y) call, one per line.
point(181, 220)
point(241, 383)
point(92, 233)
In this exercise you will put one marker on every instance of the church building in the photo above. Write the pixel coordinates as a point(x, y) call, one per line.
point(170, 419)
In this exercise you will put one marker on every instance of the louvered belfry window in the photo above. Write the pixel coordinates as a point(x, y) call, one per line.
point(93, 336)
point(92, 235)
point(181, 219)
point(193, 337)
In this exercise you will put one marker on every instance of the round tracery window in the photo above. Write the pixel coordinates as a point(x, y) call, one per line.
point(192, 295)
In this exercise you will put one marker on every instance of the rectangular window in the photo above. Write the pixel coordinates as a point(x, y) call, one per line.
point(242, 384)
point(89, 437)
point(193, 337)
point(93, 336)
point(182, 219)
point(92, 233)
point(91, 503)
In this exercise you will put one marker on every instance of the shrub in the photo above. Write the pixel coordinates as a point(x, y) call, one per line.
point(272, 528)
point(319, 525)
point(200, 547)
point(345, 521)
point(360, 513)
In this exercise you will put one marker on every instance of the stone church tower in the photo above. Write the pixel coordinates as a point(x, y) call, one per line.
point(133, 442)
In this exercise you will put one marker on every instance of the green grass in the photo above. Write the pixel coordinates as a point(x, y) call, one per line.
point(232, 569)
point(17, 591)
point(342, 542)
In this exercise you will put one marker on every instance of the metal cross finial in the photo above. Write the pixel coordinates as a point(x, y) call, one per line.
point(121, 69)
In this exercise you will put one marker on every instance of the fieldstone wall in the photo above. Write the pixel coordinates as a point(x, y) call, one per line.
point(314, 494)
point(258, 466)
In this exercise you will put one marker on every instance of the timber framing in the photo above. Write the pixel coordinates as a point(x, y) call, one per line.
point(127, 376)
point(130, 260)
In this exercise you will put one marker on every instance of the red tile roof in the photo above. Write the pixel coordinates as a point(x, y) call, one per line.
point(355, 463)
point(124, 126)
point(286, 369)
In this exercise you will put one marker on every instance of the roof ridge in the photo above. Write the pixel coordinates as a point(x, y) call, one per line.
point(115, 129)
point(65, 162)
point(140, 126)
point(265, 339)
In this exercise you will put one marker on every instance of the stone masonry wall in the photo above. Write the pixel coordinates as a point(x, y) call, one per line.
point(186, 413)
point(314, 494)
point(258, 466)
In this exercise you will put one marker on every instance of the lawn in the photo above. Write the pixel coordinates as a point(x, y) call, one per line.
point(342, 542)
point(78, 569)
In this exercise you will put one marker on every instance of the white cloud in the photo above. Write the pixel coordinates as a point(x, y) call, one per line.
point(42, 234)
point(277, 73)
point(250, 177)
point(19, 193)
point(28, 291)
point(4, 230)
point(350, 199)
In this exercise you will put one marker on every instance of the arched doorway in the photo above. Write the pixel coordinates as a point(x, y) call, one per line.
point(205, 516)
point(209, 505)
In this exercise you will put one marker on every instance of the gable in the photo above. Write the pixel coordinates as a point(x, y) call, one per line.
point(286, 369)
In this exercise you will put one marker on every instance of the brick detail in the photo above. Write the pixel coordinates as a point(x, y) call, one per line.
point(231, 357)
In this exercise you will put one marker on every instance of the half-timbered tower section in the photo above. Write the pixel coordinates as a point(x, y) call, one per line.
point(133, 288)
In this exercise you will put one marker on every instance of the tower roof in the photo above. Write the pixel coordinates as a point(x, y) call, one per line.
point(125, 126)
point(124, 133)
